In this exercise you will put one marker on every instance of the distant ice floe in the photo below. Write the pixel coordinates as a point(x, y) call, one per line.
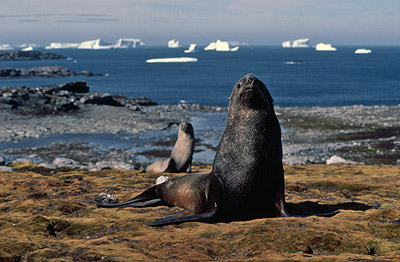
point(363, 51)
point(294, 62)
point(298, 43)
point(173, 43)
point(339, 160)
point(324, 47)
point(5, 47)
point(191, 49)
point(98, 44)
point(221, 46)
point(172, 60)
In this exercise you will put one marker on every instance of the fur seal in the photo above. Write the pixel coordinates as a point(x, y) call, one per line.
point(247, 178)
point(181, 156)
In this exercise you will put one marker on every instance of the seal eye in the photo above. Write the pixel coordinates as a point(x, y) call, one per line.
point(239, 85)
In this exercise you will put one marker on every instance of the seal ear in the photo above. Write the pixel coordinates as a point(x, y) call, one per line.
point(268, 98)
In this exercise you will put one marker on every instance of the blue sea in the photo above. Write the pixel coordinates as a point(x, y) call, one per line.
point(295, 77)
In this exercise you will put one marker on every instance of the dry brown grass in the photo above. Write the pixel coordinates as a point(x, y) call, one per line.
point(51, 217)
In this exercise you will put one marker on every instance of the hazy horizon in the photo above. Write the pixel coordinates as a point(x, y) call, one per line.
point(256, 22)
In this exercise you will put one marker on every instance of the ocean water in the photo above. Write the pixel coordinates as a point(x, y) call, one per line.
point(295, 77)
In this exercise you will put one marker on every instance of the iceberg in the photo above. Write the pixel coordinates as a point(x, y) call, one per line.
point(363, 51)
point(95, 44)
point(192, 48)
point(298, 43)
point(173, 43)
point(5, 47)
point(324, 47)
point(234, 49)
point(128, 43)
point(220, 46)
point(172, 60)
point(98, 44)
point(211, 46)
point(62, 45)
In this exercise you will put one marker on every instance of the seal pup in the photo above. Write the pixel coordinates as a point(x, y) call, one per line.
point(247, 178)
point(181, 156)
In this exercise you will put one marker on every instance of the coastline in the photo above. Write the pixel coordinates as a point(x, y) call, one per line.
point(358, 134)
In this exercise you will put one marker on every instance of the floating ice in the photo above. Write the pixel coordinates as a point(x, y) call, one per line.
point(363, 51)
point(128, 43)
point(222, 46)
point(5, 47)
point(62, 45)
point(124, 43)
point(192, 48)
point(298, 43)
point(172, 60)
point(173, 43)
point(324, 47)
point(95, 44)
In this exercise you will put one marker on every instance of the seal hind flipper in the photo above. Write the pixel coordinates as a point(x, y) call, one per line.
point(178, 220)
point(148, 198)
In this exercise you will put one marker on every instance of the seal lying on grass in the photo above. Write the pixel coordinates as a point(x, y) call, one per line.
point(181, 156)
point(246, 180)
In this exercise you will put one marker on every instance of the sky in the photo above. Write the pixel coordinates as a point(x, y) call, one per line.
point(256, 22)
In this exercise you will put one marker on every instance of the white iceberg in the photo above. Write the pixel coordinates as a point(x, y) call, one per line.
point(192, 48)
point(128, 43)
point(172, 60)
point(287, 44)
point(122, 43)
point(363, 51)
point(27, 47)
point(95, 44)
point(5, 47)
point(234, 49)
point(211, 46)
point(221, 46)
point(173, 43)
point(298, 43)
point(324, 47)
point(62, 45)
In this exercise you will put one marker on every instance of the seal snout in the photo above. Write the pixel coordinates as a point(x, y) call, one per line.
point(250, 78)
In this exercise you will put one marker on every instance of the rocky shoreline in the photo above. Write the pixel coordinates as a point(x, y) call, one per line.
point(353, 134)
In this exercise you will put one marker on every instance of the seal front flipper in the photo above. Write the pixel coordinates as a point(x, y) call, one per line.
point(282, 208)
point(178, 220)
point(150, 197)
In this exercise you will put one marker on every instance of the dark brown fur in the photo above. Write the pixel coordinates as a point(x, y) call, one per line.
point(247, 179)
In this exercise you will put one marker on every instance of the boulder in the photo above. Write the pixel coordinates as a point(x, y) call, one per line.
point(100, 99)
point(2, 161)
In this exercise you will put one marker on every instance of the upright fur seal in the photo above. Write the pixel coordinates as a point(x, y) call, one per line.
point(247, 178)
point(181, 156)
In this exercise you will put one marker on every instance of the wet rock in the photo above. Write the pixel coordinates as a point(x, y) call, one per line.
point(5, 168)
point(61, 162)
point(161, 179)
point(339, 160)
point(47, 165)
point(2, 161)
point(75, 87)
point(106, 197)
point(100, 99)
point(101, 165)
